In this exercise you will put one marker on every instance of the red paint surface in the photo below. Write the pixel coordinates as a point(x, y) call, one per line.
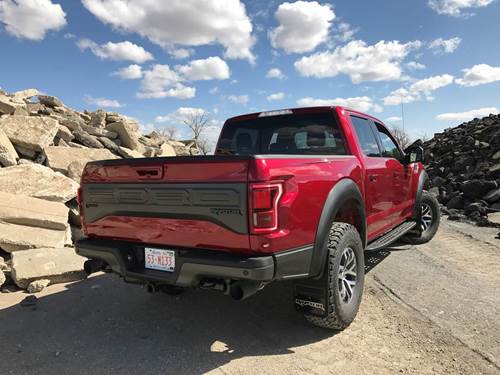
point(306, 183)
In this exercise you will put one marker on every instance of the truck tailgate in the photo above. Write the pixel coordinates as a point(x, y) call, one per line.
point(192, 202)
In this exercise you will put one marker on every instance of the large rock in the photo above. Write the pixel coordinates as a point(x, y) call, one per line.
point(128, 133)
point(50, 101)
point(33, 133)
point(59, 158)
point(8, 154)
point(57, 265)
point(167, 149)
point(20, 96)
point(87, 139)
point(6, 105)
point(98, 119)
point(23, 210)
point(129, 154)
point(37, 181)
point(15, 237)
point(110, 145)
point(64, 133)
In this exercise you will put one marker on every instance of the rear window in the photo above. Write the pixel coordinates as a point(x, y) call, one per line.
point(310, 134)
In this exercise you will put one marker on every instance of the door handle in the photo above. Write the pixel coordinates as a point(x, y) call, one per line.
point(373, 177)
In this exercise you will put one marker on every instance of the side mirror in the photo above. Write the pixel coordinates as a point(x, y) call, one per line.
point(413, 154)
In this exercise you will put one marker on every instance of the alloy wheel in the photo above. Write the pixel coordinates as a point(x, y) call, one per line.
point(347, 275)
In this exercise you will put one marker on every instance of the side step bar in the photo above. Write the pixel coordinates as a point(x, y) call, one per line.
point(391, 236)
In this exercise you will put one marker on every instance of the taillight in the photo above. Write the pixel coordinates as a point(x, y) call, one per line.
point(263, 201)
point(79, 200)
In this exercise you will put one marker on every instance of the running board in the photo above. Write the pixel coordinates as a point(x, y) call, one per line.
point(391, 236)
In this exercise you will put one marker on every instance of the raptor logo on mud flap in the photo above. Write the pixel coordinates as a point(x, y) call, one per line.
point(304, 303)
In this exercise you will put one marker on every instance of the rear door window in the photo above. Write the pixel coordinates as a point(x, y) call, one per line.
point(311, 134)
point(366, 137)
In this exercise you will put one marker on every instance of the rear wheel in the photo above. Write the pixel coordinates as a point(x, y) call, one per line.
point(343, 278)
point(428, 224)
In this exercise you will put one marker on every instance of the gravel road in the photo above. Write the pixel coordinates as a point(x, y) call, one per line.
point(429, 309)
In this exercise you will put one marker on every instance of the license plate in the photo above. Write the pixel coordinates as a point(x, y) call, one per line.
point(159, 259)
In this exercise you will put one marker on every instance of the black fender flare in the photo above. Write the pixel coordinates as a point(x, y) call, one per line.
point(343, 191)
point(423, 181)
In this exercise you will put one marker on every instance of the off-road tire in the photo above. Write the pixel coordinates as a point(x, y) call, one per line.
point(339, 313)
point(419, 236)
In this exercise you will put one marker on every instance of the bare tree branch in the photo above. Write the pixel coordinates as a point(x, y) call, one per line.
point(401, 136)
point(197, 123)
point(169, 132)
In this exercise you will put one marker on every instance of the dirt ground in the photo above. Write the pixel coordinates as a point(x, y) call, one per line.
point(429, 309)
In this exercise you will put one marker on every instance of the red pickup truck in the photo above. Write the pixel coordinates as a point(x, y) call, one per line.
point(296, 194)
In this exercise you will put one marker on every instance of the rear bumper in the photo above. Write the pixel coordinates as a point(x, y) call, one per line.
point(192, 266)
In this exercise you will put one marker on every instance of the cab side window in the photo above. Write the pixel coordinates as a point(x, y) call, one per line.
point(366, 137)
point(390, 148)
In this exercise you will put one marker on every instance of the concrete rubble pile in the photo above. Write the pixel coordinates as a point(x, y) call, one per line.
point(463, 164)
point(44, 147)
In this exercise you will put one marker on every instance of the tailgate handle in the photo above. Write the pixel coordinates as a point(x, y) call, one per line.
point(149, 173)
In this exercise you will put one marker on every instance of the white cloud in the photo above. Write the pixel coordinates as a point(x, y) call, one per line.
point(31, 19)
point(213, 90)
point(277, 96)
point(275, 73)
point(162, 82)
point(414, 65)
point(180, 115)
point(359, 103)
point(479, 75)
point(455, 7)
point(393, 119)
point(303, 26)
point(117, 51)
point(241, 99)
point(133, 71)
point(185, 23)
point(466, 116)
point(344, 32)
point(440, 45)
point(210, 68)
point(181, 53)
point(419, 90)
point(103, 102)
point(362, 62)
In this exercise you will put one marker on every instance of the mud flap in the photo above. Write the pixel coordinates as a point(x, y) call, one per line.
point(311, 296)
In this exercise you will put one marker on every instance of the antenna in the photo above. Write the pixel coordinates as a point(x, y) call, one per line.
point(402, 112)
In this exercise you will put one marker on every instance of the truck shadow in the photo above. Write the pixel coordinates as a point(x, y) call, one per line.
point(374, 258)
point(102, 325)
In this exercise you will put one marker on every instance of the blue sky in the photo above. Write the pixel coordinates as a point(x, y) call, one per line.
point(440, 57)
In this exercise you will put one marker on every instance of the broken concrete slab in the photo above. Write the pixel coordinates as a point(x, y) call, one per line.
point(37, 181)
point(24, 210)
point(127, 132)
point(64, 133)
point(15, 237)
point(167, 149)
point(129, 154)
point(58, 265)
point(87, 139)
point(6, 105)
point(8, 154)
point(59, 158)
point(98, 119)
point(50, 101)
point(30, 132)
